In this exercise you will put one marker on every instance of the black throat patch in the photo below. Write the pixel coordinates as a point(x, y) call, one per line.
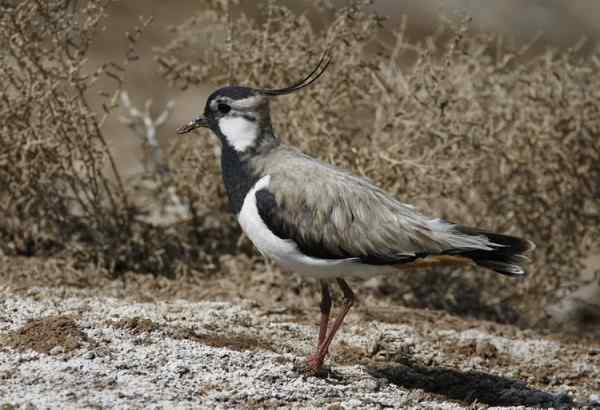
point(238, 177)
point(238, 174)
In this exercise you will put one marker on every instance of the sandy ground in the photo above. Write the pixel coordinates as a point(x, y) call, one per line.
point(117, 344)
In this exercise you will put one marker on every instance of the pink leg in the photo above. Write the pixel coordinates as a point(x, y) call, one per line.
point(325, 310)
point(317, 362)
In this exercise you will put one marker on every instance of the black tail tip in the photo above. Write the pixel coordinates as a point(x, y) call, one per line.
point(508, 256)
point(504, 268)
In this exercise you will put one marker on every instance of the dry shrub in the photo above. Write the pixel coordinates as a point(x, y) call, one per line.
point(463, 126)
point(53, 149)
point(62, 192)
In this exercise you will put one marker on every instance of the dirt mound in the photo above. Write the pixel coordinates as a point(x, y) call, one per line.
point(135, 325)
point(50, 335)
point(238, 342)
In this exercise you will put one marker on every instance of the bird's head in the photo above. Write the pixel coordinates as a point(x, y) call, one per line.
point(239, 116)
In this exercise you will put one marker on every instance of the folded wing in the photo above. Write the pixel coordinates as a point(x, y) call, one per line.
point(332, 214)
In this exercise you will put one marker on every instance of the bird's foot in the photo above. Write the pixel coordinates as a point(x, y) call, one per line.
point(315, 360)
point(314, 365)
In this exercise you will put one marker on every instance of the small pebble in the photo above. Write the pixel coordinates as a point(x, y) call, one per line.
point(369, 384)
point(485, 349)
point(56, 350)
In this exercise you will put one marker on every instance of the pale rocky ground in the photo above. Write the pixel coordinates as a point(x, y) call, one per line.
point(125, 344)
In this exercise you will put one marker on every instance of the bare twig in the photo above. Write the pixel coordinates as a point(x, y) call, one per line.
point(145, 127)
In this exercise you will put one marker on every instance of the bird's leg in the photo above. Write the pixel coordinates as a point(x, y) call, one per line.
point(325, 310)
point(324, 347)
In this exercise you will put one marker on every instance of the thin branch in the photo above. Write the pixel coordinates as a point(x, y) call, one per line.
point(229, 42)
point(145, 127)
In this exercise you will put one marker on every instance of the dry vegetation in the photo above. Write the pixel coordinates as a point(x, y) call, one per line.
point(463, 126)
point(64, 195)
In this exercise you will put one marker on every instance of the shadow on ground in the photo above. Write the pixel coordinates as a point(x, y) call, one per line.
point(471, 387)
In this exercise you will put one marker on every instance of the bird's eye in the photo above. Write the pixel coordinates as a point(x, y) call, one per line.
point(223, 108)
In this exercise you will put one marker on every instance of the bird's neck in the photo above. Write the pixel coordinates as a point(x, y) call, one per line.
point(239, 174)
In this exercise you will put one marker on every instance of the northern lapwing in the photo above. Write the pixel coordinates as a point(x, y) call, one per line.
point(321, 221)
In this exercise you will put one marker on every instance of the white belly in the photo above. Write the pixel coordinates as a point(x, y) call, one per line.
point(285, 251)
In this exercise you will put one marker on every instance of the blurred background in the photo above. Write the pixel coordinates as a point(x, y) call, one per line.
point(544, 23)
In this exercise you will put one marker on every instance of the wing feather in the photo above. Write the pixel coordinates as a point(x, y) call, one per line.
point(332, 214)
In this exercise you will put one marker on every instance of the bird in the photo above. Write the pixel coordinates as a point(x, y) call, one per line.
point(323, 222)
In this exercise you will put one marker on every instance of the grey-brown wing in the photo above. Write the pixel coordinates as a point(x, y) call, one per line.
point(332, 214)
point(315, 245)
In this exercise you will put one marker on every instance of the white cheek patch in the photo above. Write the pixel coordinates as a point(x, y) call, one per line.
point(240, 132)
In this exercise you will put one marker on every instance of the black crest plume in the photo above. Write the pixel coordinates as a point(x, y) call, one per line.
point(305, 82)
